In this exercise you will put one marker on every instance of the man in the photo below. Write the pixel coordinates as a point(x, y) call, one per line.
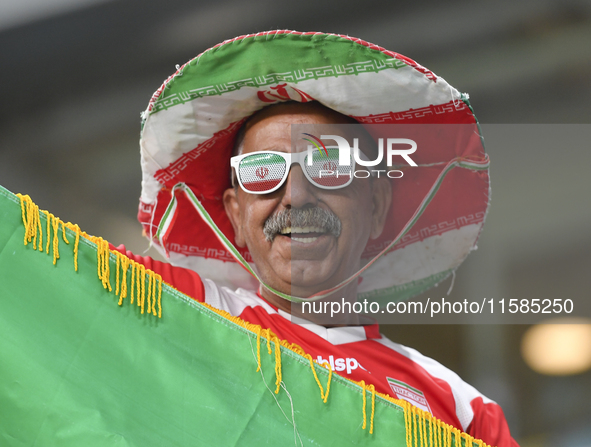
point(304, 239)
point(297, 239)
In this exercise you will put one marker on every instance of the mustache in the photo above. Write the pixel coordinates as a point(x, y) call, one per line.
point(297, 217)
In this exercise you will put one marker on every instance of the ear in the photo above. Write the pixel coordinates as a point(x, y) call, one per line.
point(382, 199)
point(232, 208)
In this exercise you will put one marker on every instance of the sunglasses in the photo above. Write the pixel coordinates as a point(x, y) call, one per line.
point(265, 171)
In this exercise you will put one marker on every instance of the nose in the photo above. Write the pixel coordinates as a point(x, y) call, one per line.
point(298, 192)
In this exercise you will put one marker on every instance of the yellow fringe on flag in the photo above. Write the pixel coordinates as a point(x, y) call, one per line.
point(373, 406)
point(364, 405)
point(424, 428)
point(31, 216)
point(372, 389)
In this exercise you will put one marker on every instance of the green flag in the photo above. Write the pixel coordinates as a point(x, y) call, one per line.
point(97, 351)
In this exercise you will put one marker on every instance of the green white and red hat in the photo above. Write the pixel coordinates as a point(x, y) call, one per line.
point(191, 122)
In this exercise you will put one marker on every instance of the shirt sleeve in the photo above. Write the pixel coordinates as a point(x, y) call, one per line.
point(183, 280)
point(490, 425)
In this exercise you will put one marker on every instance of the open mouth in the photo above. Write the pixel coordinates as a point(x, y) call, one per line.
point(304, 235)
point(302, 226)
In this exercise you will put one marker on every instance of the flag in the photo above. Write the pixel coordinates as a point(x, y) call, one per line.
point(96, 351)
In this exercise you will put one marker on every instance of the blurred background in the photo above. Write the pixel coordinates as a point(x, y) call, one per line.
point(75, 75)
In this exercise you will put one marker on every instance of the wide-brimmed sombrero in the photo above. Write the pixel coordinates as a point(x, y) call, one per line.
point(192, 120)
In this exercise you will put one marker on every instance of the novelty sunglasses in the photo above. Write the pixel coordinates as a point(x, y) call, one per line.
point(265, 171)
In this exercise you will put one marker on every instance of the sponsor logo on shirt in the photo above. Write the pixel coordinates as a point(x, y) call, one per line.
point(408, 393)
point(340, 364)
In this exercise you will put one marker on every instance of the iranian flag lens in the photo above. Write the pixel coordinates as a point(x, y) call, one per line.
point(261, 172)
point(325, 169)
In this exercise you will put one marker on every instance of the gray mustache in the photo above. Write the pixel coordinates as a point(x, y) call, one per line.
point(307, 217)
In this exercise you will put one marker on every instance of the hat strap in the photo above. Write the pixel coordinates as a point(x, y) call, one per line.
point(456, 162)
point(169, 217)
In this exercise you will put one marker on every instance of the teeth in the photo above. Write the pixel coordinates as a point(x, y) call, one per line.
point(304, 240)
point(293, 230)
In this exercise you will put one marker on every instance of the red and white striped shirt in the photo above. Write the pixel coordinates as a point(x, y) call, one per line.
point(358, 353)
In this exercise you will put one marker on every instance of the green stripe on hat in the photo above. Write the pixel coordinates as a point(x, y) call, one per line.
point(275, 58)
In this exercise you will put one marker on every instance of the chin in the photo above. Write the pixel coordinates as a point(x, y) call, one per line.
point(302, 277)
point(312, 286)
point(299, 287)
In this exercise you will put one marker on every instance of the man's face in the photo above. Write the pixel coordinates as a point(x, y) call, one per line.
point(301, 261)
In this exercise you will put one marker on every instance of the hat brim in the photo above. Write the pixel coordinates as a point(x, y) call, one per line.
point(192, 121)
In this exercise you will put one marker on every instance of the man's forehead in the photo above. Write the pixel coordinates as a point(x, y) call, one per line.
point(297, 111)
point(272, 126)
